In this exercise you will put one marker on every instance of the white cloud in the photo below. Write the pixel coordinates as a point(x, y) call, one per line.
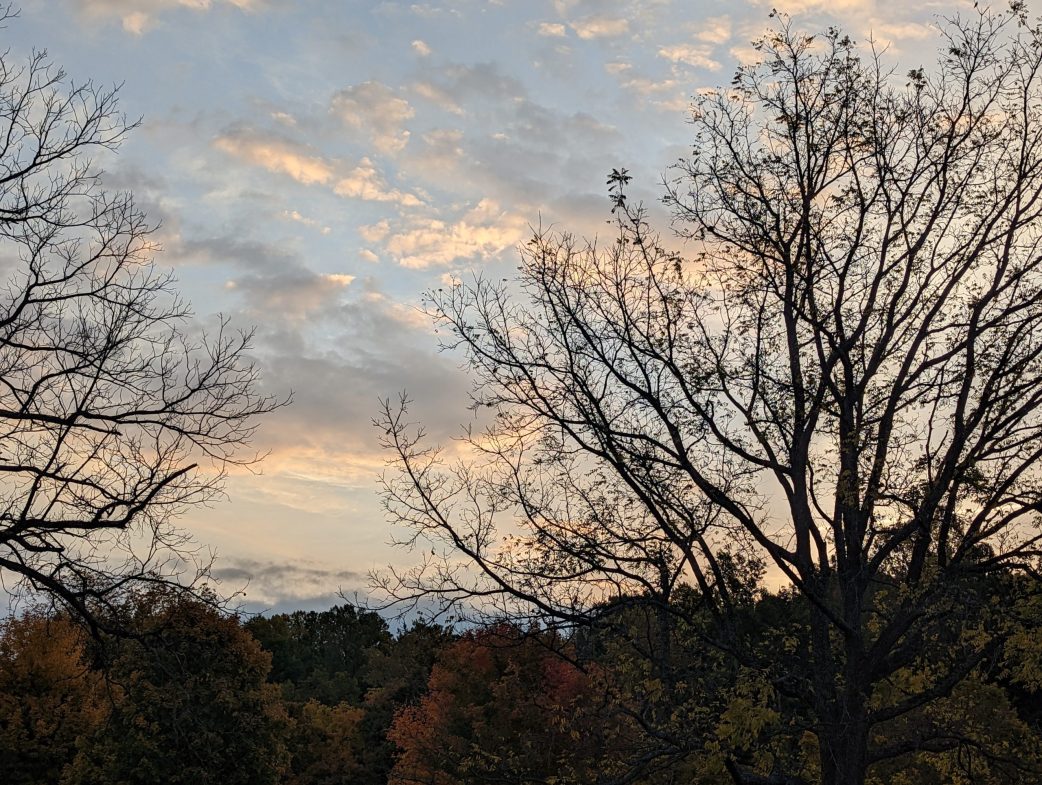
point(668, 95)
point(375, 109)
point(285, 118)
point(276, 155)
point(136, 22)
point(438, 96)
point(421, 48)
point(481, 233)
point(138, 16)
point(833, 7)
point(600, 27)
point(374, 233)
point(552, 30)
point(294, 215)
point(365, 182)
point(716, 30)
point(887, 32)
point(698, 56)
point(428, 11)
point(281, 156)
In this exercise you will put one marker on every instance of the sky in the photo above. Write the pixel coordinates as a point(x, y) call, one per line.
point(316, 165)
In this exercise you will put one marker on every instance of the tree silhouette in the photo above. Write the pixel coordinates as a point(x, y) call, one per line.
point(114, 413)
point(842, 384)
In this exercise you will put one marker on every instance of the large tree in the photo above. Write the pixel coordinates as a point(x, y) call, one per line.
point(116, 412)
point(191, 702)
point(841, 382)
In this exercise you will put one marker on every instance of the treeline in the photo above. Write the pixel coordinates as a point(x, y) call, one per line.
point(188, 694)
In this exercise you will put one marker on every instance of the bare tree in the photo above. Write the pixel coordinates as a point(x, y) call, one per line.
point(843, 381)
point(113, 417)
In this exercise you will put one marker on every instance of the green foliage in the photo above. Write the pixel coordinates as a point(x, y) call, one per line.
point(321, 655)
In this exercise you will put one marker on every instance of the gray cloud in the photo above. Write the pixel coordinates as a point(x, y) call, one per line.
point(380, 348)
point(290, 585)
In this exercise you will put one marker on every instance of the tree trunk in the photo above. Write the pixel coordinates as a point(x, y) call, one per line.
point(843, 745)
point(841, 697)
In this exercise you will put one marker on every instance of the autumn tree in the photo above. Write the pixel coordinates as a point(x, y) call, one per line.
point(193, 702)
point(326, 744)
point(398, 675)
point(115, 411)
point(50, 696)
point(503, 707)
point(842, 384)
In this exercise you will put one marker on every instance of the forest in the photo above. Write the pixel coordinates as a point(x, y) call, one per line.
point(193, 695)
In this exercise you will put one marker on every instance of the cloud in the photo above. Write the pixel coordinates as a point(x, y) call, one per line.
point(138, 16)
point(698, 56)
point(428, 11)
point(294, 215)
point(834, 8)
point(282, 156)
point(600, 27)
point(325, 444)
point(716, 30)
point(374, 233)
point(454, 87)
point(481, 233)
point(276, 155)
point(528, 155)
point(374, 109)
point(902, 31)
point(421, 48)
point(136, 22)
point(668, 94)
point(285, 118)
point(365, 182)
point(281, 583)
point(249, 255)
point(552, 30)
point(268, 278)
point(442, 151)
point(294, 295)
point(437, 96)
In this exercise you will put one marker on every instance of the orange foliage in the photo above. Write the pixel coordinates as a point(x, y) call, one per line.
point(49, 697)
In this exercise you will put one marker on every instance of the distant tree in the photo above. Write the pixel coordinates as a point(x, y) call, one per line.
point(114, 415)
point(49, 697)
point(321, 654)
point(843, 385)
point(502, 707)
point(193, 703)
point(398, 675)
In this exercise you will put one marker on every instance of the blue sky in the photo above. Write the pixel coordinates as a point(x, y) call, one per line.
point(317, 165)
